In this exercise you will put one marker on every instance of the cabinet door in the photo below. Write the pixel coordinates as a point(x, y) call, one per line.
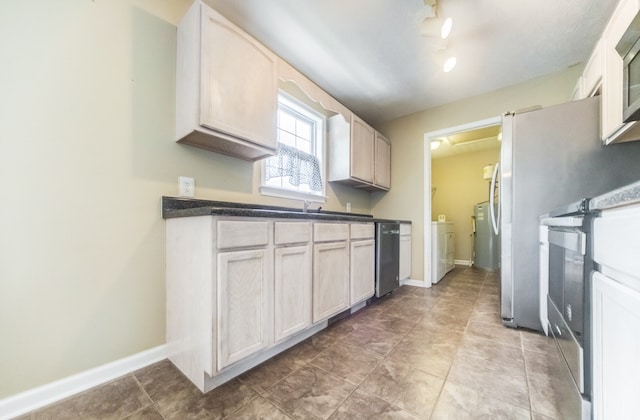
point(450, 251)
point(592, 75)
point(405, 257)
point(292, 299)
point(362, 141)
point(612, 103)
point(362, 271)
point(238, 82)
point(438, 252)
point(616, 349)
point(382, 170)
point(330, 279)
point(243, 314)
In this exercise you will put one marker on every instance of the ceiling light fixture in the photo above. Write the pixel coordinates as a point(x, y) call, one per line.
point(438, 29)
point(431, 5)
point(435, 143)
point(449, 64)
point(433, 27)
point(445, 30)
point(446, 59)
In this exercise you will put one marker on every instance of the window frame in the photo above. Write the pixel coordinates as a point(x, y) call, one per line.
point(319, 145)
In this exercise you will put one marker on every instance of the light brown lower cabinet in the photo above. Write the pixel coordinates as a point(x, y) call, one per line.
point(241, 290)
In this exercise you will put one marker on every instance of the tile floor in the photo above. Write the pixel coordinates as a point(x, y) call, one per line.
point(438, 353)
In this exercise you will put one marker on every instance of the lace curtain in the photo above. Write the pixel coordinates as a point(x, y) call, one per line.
point(300, 167)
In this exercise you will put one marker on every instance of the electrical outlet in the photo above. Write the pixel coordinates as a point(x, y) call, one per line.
point(186, 186)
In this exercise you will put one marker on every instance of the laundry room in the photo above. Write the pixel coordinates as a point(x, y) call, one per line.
point(462, 169)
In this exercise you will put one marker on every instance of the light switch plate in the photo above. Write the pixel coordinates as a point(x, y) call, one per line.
point(186, 186)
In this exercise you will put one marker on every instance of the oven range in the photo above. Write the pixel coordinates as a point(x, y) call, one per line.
point(568, 305)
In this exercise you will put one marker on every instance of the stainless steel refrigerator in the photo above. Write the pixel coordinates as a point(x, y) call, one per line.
point(486, 250)
point(549, 158)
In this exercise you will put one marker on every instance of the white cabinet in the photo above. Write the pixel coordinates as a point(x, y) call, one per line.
point(359, 156)
point(592, 74)
point(244, 304)
point(405, 251)
point(244, 300)
point(616, 349)
point(612, 127)
point(330, 279)
point(292, 301)
point(330, 269)
point(226, 87)
point(241, 289)
point(292, 278)
point(362, 270)
point(362, 150)
point(616, 314)
point(589, 84)
point(362, 262)
point(382, 167)
point(442, 249)
point(578, 91)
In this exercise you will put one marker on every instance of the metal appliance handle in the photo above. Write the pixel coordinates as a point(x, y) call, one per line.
point(572, 240)
point(494, 220)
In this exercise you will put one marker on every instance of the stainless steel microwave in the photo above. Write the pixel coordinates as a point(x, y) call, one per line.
point(629, 49)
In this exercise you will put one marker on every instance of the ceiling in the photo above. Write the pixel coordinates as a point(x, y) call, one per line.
point(370, 55)
point(468, 141)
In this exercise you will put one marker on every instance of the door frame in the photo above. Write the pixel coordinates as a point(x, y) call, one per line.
point(427, 182)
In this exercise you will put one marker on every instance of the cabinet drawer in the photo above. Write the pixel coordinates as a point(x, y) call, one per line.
point(405, 229)
point(325, 232)
point(362, 230)
point(616, 241)
point(567, 343)
point(236, 234)
point(292, 232)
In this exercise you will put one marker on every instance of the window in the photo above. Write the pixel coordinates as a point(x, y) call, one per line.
point(296, 171)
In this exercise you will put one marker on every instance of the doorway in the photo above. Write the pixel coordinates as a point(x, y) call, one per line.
point(454, 180)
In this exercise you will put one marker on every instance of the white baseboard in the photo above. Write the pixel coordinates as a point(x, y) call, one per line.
point(463, 262)
point(55, 391)
point(412, 282)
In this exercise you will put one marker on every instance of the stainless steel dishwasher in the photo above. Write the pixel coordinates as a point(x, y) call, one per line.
point(387, 257)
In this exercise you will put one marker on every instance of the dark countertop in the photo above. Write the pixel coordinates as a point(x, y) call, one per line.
point(188, 207)
point(629, 194)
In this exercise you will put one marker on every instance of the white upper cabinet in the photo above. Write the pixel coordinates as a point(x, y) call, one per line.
point(362, 150)
point(227, 87)
point(359, 156)
point(613, 129)
point(382, 168)
point(592, 75)
point(590, 83)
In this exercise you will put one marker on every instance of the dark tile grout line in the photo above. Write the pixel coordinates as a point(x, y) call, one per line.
point(374, 368)
point(144, 390)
